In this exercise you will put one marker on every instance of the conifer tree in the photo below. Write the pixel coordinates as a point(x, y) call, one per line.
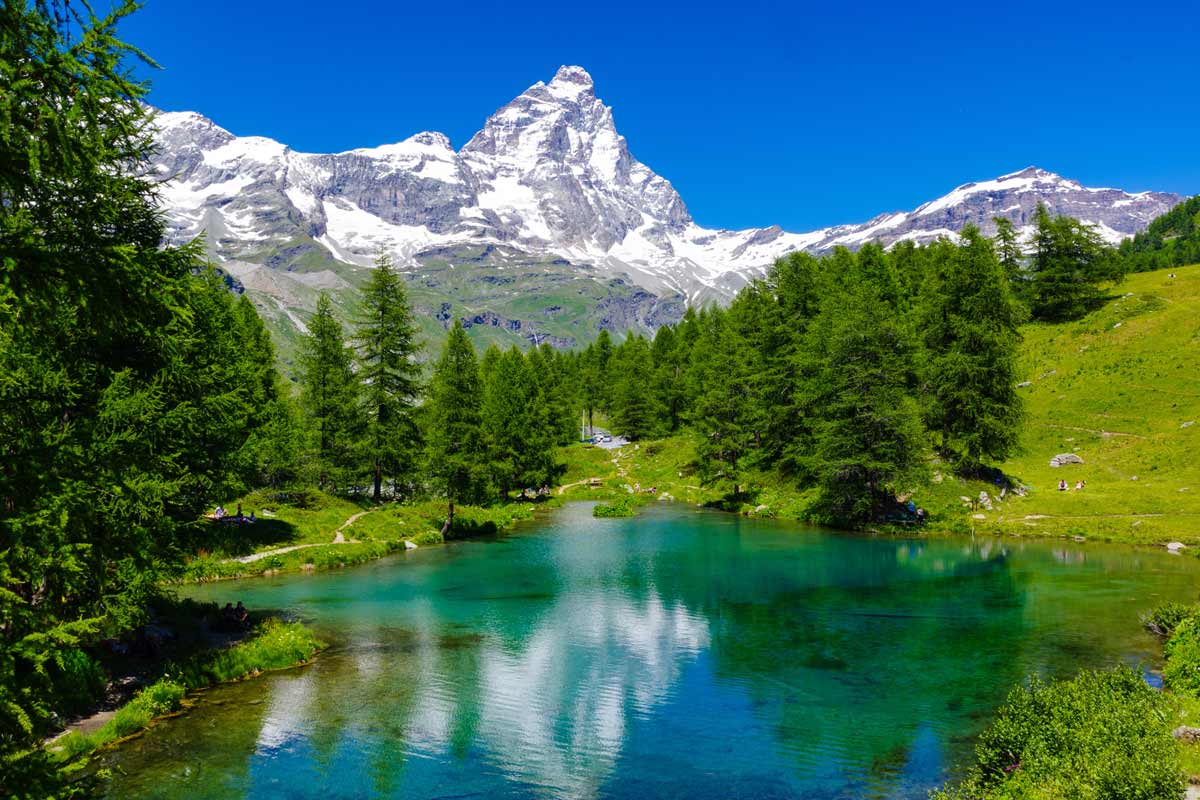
point(635, 412)
point(509, 395)
point(553, 396)
point(1068, 264)
point(867, 436)
point(970, 329)
point(669, 357)
point(795, 284)
point(455, 450)
point(590, 378)
point(1008, 251)
point(126, 398)
point(330, 395)
point(386, 340)
point(721, 409)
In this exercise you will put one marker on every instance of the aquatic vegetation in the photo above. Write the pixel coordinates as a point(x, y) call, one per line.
point(621, 507)
point(1165, 618)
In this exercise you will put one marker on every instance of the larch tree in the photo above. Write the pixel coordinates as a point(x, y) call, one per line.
point(970, 325)
point(1008, 251)
point(330, 395)
point(456, 450)
point(1067, 267)
point(635, 411)
point(125, 395)
point(867, 439)
point(385, 339)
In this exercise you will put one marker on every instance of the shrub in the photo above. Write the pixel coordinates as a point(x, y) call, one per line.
point(621, 507)
point(427, 537)
point(1182, 671)
point(1100, 735)
point(1164, 619)
point(305, 498)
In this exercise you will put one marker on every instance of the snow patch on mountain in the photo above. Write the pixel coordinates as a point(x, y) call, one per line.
point(547, 173)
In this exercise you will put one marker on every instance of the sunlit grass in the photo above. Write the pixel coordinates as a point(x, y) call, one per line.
point(273, 645)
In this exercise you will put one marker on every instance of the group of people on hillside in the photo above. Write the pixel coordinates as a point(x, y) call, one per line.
point(1064, 486)
point(221, 515)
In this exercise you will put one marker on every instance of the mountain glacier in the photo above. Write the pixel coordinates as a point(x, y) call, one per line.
point(547, 175)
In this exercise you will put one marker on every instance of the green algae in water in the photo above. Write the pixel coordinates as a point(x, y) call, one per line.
point(675, 654)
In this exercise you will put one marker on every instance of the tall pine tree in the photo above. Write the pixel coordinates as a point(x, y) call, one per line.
point(330, 395)
point(455, 451)
point(126, 397)
point(635, 411)
point(867, 440)
point(386, 340)
point(1067, 267)
point(970, 328)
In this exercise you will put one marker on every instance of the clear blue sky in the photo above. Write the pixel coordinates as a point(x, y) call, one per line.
point(757, 112)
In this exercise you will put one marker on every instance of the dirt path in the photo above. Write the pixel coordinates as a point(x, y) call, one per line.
point(1106, 516)
point(1102, 433)
point(584, 482)
point(268, 553)
point(338, 538)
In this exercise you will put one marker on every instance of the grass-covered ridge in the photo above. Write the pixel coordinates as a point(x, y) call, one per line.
point(1117, 387)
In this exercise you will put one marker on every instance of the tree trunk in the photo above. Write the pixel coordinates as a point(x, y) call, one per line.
point(449, 519)
point(378, 480)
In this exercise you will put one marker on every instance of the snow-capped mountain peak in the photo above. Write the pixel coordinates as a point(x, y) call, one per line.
point(547, 173)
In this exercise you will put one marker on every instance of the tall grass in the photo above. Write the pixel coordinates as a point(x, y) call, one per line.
point(272, 645)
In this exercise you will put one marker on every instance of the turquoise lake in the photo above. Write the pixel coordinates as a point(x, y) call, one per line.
point(678, 654)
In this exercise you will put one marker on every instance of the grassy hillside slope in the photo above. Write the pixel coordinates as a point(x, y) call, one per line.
point(1119, 388)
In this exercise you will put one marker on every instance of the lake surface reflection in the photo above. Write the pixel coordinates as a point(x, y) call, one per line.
point(677, 654)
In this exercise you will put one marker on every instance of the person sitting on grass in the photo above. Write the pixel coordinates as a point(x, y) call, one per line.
point(1062, 485)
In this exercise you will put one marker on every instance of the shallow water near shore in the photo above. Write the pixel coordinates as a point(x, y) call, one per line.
point(679, 653)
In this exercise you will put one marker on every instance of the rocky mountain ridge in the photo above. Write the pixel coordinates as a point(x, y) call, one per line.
point(548, 176)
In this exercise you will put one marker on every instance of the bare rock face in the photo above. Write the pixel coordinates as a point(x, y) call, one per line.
point(1062, 459)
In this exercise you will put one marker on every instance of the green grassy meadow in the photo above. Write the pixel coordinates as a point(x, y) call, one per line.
point(1120, 388)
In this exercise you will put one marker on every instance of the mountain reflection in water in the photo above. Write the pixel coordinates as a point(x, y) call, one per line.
point(679, 653)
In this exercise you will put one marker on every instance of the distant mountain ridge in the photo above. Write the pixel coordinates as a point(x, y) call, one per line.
point(547, 177)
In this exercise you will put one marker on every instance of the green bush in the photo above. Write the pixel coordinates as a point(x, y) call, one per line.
point(1100, 735)
point(1164, 619)
point(274, 645)
point(1182, 671)
point(427, 538)
point(305, 498)
point(621, 507)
